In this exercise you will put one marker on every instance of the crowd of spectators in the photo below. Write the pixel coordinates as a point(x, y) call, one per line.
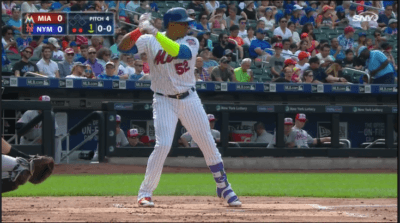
point(282, 39)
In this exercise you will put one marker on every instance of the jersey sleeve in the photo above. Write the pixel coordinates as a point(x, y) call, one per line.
point(217, 134)
point(310, 139)
point(26, 117)
point(124, 140)
point(189, 44)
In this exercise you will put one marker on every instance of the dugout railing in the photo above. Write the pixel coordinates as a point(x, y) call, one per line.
point(48, 127)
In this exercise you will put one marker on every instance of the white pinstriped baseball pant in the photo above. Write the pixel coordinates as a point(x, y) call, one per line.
point(166, 112)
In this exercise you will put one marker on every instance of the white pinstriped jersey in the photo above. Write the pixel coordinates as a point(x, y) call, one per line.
point(169, 75)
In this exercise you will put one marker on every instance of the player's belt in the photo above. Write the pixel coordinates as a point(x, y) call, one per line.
point(178, 96)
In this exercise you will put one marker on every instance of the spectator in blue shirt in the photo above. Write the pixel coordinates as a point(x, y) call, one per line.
point(15, 22)
point(63, 6)
point(384, 18)
point(138, 70)
point(258, 46)
point(308, 17)
point(336, 50)
point(4, 59)
point(295, 18)
point(110, 68)
point(378, 65)
point(392, 28)
point(23, 40)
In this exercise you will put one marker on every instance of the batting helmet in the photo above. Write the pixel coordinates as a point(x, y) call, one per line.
point(176, 15)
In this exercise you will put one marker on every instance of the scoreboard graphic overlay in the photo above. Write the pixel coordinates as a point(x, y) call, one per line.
point(72, 23)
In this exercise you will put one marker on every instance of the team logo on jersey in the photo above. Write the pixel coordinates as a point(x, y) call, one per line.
point(191, 42)
point(160, 57)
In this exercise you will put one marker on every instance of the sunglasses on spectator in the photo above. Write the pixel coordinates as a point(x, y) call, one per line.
point(88, 71)
point(203, 17)
point(139, 65)
point(243, 23)
point(28, 51)
point(70, 54)
point(92, 53)
point(310, 75)
point(9, 33)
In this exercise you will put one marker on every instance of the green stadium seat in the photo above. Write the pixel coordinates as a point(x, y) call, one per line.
point(269, 33)
point(252, 23)
point(320, 36)
point(339, 29)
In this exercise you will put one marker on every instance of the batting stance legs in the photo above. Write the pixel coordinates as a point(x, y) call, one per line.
point(190, 111)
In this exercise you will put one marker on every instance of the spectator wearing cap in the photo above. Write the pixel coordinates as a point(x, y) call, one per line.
point(187, 140)
point(58, 6)
point(352, 13)
point(289, 135)
point(250, 36)
point(121, 139)
point(268, 19)
point(341, 16)
point(47, 66)
point(346, 40)
point(76, 50)
point(77, 71)
point(288, 63)
point(28, 6)
point(120, 70)
point(200, 71)
point(8, 41)
point(392, 28)
point(84, 54)
point(286, 53)
point(243, 73)
point(97, 68)
point(295, 18)
point(138, 70)
point(260, 135)
point(258, 46)
point(387, 50)
point(67, 40)
point(24, 65)
point(336, 50)
point(57, 54)
point(234, 35)
point(325, 18)
point(223, 72)
point(302, 138)
point(303, 64)
point(308, 17)
point(282, 29)
point(277, 60)
point(65, 66)
point(133, 138)
point(233, 19)
point(324, 58)
point(110, 68)
point(15, 21)
point(384, 18)
point(249, 10)
point(378, 65)
point(224, 43)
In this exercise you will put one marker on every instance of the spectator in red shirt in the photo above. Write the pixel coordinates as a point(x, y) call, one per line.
point(234, 35)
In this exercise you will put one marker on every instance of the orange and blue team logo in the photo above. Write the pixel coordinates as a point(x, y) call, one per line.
point(191, 42)
point(29, 23)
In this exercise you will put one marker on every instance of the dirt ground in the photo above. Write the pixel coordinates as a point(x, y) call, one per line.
point(190, 208)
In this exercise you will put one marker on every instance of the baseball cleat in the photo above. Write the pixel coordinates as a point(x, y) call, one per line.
point(230, 196)
point(146, 202)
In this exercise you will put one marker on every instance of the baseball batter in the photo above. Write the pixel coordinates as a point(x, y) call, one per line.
point(171, 57)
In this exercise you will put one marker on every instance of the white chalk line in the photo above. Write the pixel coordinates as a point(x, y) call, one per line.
point(330, 208)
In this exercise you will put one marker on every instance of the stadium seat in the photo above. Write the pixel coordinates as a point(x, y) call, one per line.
point(252, 23)
point(354, 75)
point(269, 33)
point(5, 18)
point(339, 29)
point(320, 36)
point(246, 53)
point(218, 31)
